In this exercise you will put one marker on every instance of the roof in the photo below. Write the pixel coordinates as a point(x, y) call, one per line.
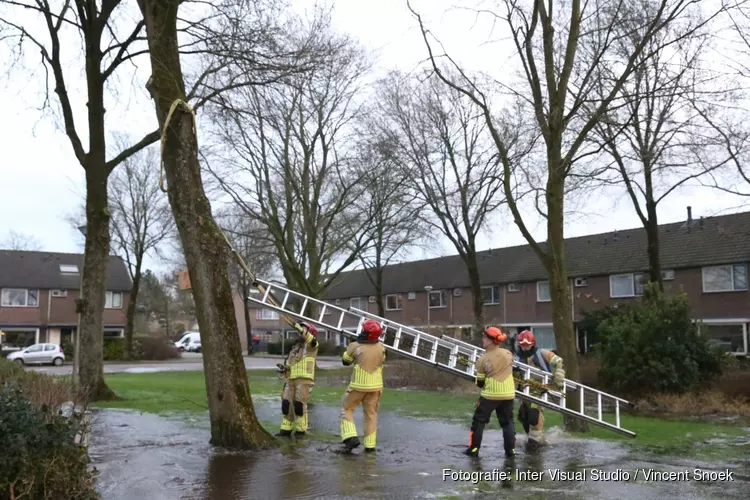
point(24, 269)
point(708, 241)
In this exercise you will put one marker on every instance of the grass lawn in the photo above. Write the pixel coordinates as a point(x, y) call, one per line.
point(177, 392)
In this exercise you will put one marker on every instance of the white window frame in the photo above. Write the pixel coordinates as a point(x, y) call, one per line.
point(399, 305)
point(632, 277)
point(4, 302)
point(732, 271)
point(441, 294)
point(69, 269)
point(109, 300)
point(495, 295)
point(266, 315)
point(358, 301)
point(667, 274)
point(539, 297)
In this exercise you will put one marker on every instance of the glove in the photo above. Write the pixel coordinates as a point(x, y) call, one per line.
point(280, 368)
point(557, 383)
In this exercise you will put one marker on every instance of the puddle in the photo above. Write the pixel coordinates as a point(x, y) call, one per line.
point(141, 455)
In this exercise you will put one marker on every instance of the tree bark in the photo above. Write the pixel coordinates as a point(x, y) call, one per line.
point(96, 258)
point(476, 294)
point(652, 235)
point(232, 414)
point(560, 294)
point(130, 320)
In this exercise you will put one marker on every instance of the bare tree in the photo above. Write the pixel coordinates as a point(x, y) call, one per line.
point(250, 240)
point(20, 241)
point(557, 81)
point(290, 165)
point(656, 139)
point(141, 221)
point(393, 210)
point(268, 57)
point(445, 152)
point(105, 51)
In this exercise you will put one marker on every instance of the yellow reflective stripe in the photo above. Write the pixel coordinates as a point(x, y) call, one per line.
point(555, 359)
point(481, 376)
point(348, 429)
point(494, 387)
point(347, 357)
point(305, 368)
point(363, 380)
point(286, 424)
point(300, 423)
point(370, 440)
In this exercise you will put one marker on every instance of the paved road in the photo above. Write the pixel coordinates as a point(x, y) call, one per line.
point(190, 362)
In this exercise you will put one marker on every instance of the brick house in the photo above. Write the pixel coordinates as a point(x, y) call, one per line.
point(707, 258)
point(38, 292)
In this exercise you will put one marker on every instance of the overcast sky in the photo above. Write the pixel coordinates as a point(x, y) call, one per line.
point(42, 181)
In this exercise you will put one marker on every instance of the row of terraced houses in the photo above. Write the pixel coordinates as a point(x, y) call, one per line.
point(706, 257)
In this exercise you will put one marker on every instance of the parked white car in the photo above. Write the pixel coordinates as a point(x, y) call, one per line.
point(188, 340)
point(39, 354)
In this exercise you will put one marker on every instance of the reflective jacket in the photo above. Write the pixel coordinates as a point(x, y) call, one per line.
point(368, 359)
point(495, 374)
point(301, 360)
point(546, 360)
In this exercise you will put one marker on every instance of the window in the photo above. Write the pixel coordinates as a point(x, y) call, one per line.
point(514, 287)
point(59, 293)
point(728, 278)
point(667, 274)
point(19, 297)
point(545, 337)
point(542, 291)
point(392, 302)
point(49, 347)
point(19, 339)
point(267, 314)
point(491, 294)
point(68, 269)
point(35, 348)
point(626, 285)
point(730, 338)
point(436, 299)
point(113, 300)
point(356, 303)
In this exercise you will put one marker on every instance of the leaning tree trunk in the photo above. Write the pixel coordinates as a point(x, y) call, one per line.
point(246, 309)
point(561, 298)
point(233, 420)
point(476, 295)
point(130, 320)
point(96, 257)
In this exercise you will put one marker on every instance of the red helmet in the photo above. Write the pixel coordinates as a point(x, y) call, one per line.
point(495, 334)
point(310, 328)
point(372, 330)
point(526, 338)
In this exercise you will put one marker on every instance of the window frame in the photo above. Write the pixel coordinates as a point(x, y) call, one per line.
point(633, 285)
point(549, 292)
point(359, 303)
point(443, 303)
point(732, 268)
point(111, 295)
point(494, 293)
point(70, 268)
point(261, 316)
point(27, 292)
point(399, 305)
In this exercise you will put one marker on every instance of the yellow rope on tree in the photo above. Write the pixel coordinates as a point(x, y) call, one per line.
point(172, 108)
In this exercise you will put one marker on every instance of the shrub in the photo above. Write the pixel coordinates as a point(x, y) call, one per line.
point(275, 347)
point(114, 349)
point(329, 348)
point(155, 348)
point(655, 347)
point(41, 456)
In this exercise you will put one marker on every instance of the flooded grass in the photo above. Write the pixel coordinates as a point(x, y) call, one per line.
point(183, 393)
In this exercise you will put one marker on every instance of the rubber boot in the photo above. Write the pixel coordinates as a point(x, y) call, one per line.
point(471, 452)
point(369, 450)
point(283, 433)
point(299, 434)
point(351, 443)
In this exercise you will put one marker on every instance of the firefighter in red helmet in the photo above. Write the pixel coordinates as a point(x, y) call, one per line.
point(494, 374)
point(366, 386)
point(530, 414)
point(299, 372)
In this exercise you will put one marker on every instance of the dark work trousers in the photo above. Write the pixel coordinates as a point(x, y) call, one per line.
point(482, 414)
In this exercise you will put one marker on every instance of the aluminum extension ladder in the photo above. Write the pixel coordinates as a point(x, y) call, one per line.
point(444, 353)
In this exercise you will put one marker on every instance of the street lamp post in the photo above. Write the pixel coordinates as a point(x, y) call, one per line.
point(79, 308)
point(428, 289)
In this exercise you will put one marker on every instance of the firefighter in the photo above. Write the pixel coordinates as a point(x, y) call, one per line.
point(299, 372)
point(366, 386)
point(530, 414)
point(494, 375)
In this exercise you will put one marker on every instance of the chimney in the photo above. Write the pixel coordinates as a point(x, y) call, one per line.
point(700, 222)
point(690, 216)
